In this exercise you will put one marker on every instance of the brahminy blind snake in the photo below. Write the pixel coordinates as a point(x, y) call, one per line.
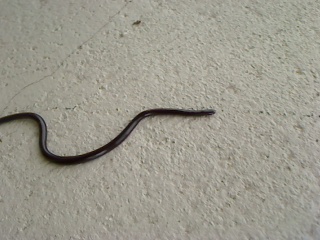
point(68, 160)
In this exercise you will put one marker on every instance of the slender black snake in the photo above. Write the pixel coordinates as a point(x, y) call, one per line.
point(67, 160)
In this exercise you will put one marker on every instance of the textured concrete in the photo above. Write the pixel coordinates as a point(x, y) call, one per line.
point(250, 172)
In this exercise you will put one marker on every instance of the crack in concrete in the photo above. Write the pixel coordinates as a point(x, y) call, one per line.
point(67, 57)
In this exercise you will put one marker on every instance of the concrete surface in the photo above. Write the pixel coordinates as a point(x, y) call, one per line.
point(250, 172)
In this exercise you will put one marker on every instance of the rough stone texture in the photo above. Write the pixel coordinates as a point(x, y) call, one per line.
point(250, 172)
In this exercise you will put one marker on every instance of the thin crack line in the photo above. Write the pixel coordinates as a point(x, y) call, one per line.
point(67, 57)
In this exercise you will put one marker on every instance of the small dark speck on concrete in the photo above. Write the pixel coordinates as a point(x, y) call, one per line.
point(0, 140)
point(260, 111)
point(317, 140)
point(136, 22)
point(70, 108)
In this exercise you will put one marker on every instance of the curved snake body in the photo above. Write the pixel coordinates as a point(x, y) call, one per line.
point(67, 160)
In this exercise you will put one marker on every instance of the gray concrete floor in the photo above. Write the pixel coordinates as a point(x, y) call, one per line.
point(249, 172)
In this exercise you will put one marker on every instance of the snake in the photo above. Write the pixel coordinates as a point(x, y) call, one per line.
point(89, 156)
